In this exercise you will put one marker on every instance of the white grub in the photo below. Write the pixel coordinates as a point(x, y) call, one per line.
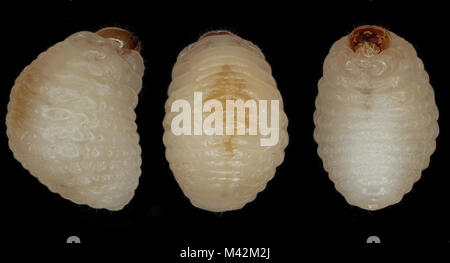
point(376, 118)
point(70, 118)
point(222, 172)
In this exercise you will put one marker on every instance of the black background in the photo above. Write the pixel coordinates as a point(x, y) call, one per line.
point(299, 207)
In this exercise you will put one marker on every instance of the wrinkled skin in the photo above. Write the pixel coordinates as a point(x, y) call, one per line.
point(222, 172)
point(70, 120)
point(376, 120)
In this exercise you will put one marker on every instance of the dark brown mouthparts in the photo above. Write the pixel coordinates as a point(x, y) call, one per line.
point(372, 39)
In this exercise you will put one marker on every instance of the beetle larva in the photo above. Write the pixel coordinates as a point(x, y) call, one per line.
point(376, 118)
point(223, 172)
point(71, 116)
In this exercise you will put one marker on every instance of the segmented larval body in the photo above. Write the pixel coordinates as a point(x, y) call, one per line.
point(71, 116)
point(376, 118)
point(222, 172)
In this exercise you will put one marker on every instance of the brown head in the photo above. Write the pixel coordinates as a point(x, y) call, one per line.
point(370, 40)
point(125, 39)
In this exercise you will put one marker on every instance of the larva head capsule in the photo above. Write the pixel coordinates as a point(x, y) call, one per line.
point(127, 46)
point(368, 55)
point(124, 39)
point(369, 40)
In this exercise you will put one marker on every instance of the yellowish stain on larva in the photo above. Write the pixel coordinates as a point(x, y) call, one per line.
point(365, 91)
point(229, 172)
point(21, 103)
point(228, 86)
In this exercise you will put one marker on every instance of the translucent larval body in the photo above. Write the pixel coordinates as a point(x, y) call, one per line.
point(222, 172)
point(71, 116)
point(376, 119)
